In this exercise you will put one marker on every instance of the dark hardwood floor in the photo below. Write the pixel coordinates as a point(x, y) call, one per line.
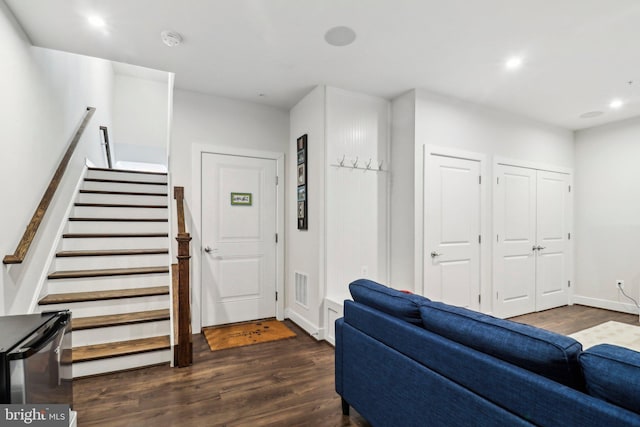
point(282, 383)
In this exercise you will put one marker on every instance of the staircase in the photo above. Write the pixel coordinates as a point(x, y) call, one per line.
point(112, 272)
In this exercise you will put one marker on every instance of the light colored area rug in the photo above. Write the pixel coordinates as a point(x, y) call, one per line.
point(621, 334)
point(241, 334)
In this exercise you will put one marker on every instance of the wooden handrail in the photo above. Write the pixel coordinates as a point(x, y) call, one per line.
point(183, 351)
point(29, 234)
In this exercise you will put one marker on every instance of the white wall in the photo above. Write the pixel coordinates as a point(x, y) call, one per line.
point(459, 125)
point(607, 214)
point(201, 121)
point(140, 120)
point(356, 200)
point(305, 251)
point(402, 170)
point(44, 97)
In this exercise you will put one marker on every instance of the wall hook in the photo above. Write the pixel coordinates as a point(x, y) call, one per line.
point(368, 164)
point(341, 162)
point(355, 163)
point(380, 165)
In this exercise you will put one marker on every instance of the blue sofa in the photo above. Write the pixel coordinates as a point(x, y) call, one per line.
point(403, 360)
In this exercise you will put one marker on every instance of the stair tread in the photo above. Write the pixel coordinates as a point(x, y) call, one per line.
point(70, 274)
point(127, 171)
point(100, 235)
point(119, 205)
point(112, 252)
point(119, 319)
point(127, 193)
point(123, 181)
point(76, 219)
point(120, 348)
point(103, 295)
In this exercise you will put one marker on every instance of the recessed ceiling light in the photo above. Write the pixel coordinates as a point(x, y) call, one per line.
point(615, 104)
point(96, 21)
point(591, 114)
point(513, 63)
point(171, 38)
point(340, 36)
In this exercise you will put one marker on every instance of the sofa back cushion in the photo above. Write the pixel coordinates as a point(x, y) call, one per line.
point(546, 353)
point(612, 373)
point(398, 304)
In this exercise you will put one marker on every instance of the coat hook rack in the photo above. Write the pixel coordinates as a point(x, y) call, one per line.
point(370, 165)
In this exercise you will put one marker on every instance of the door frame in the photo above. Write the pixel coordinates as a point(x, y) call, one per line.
point(197, 151)
point(485, 223)
point(497, 160)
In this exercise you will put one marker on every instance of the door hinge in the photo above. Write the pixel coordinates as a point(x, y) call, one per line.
point(498, 180)
point(276, 295)
point(479, 179)
point(479, 239)
point(497, 238)
point(276, 237)
point(479, 299)
point(569, 236)
point(569, 189)
point(569, 283)
point(277, 180)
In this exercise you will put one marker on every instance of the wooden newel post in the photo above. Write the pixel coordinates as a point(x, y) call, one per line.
point(184, 350)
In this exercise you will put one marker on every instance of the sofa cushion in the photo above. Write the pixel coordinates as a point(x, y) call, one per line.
point(388, 300)
point(612, 374)
point(546, 353)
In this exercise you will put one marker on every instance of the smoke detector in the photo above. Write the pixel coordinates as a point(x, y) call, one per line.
point(171, 38)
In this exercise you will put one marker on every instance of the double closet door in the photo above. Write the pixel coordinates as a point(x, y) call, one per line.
point(532, 251)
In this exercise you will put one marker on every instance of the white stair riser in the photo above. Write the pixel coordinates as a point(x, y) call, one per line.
point(116, 227)
point(116, 261)
point(120, 333)
point(114, 364)
point(102, 212)
point(113, 306)
point(126, 176)
point(126, 199)
point(118, 186)
point(107, 283)
point(100, 243)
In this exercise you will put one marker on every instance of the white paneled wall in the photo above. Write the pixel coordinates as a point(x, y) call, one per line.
point(357, 197)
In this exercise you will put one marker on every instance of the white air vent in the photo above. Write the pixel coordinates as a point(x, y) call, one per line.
point(302, 289)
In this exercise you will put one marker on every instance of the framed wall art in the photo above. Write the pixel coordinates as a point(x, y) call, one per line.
point(303, 195)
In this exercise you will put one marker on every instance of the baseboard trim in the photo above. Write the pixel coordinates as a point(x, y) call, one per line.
point(606, 304)
point(310, 328)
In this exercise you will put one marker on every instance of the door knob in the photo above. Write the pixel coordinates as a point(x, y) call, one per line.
point(208, 249)
point(435, 254)
point(534, 248)
point(540, 248)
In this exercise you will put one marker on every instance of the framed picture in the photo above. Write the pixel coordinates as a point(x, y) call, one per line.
point(241, 199)
point(301, 145)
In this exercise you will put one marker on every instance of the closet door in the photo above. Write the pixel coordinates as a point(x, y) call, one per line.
point(514, 268)
point(552, 232)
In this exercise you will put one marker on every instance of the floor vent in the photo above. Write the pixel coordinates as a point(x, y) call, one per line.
point(302, 288)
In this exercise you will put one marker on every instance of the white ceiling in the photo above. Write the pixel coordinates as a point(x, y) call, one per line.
point(578, 54)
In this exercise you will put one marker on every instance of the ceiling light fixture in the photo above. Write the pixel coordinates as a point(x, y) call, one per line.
point(340, 36)
point(171, 38)
point(615, 104)
point(513, 63)
point(96, 21)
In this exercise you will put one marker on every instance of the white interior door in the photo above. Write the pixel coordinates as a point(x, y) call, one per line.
point(452, 230)
point(552, 255)
point(515, 227)
point(238, 238)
